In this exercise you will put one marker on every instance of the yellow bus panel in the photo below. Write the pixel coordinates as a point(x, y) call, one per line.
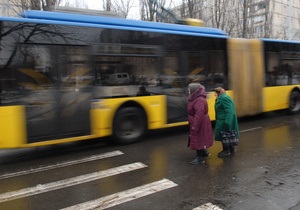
point(13, 126)
point(276, 98)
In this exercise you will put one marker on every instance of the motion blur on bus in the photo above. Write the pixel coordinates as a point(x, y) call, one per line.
point(69, 77)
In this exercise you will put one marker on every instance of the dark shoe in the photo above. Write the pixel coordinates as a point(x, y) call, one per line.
point(232, 150)
point(206, 153)
point(197, 161)
point(224, 153)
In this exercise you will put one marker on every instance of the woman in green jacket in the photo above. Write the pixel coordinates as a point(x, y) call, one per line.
point(226, 119)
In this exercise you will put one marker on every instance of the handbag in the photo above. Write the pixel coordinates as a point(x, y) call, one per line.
point(229, 138)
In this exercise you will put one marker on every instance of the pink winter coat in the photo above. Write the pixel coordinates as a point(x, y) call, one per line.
point(201, 134)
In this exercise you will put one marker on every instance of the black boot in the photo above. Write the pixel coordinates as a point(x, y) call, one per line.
point(199, 159)
point(203, 153)
point(232, 149)
point(225, 152)
point(206, 153)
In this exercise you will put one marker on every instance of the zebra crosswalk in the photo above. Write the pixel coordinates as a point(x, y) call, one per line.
point(42, 188)
point(99, 203)
point(125, 196)
point(62, 164)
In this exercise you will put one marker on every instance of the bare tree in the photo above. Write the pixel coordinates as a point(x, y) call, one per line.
point(216, 12)
point(148, 9)
point(49, 5)
point(46, 5)
point(107, 5)
point(229, 20)
point(35, 4)
point(187, 9)
point(76, 4)
point(283, 33)
point(298, 32)
point(157, 11)
point(193, 9)
point(242, 11)
point(122, 7)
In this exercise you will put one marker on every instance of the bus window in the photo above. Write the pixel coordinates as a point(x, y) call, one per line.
point(75, 71)
point(272, 69)
point(218, 69)
point(171, 76)
point(172, 82)
point(283, 69)
point(291, 67)
point(128, 66)
point(115, 71)
point(207, 68)
point(28, 76)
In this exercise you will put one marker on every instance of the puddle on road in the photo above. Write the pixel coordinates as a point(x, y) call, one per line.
point(277, 138)
point(257, 143)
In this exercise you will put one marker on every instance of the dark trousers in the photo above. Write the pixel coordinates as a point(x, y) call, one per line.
point(200, 153)
point(228, 148)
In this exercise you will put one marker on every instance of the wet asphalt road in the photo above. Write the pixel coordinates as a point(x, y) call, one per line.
point(264, 173)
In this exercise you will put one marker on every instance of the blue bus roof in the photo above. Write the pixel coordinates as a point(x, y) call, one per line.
point(280, 40)
point(124, 24)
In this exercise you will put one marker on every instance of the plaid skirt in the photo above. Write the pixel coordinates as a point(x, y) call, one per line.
point(229, 138)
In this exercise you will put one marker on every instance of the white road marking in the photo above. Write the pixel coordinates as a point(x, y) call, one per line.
point(207, 206)
point(250, 129)
point(63, 164)
point(125, 196)
point(42, 188)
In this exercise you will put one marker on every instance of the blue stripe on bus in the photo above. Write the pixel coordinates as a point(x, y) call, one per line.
point(41, 21)
point(280, 41)
point(59, 16)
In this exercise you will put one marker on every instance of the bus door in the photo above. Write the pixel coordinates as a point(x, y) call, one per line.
point(174, 86)
point(74, 91)
point(37, 93)
point(246, 75)
point(34, 87)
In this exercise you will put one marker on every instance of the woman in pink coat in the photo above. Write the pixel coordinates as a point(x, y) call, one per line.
point(201, 134)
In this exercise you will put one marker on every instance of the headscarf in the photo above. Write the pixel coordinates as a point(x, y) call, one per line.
point(193, 87)
point(219, 90)
point(196, 90)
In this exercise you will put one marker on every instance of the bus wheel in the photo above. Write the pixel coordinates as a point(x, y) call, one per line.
point(294, 106)
point(129, 125)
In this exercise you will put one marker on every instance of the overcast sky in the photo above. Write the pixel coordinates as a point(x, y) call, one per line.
point(134, 12)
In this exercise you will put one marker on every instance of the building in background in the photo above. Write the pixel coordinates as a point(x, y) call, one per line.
point(6, 8)
point(279, 19)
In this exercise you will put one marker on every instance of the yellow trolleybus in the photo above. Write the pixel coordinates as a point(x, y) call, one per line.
point(69, 77)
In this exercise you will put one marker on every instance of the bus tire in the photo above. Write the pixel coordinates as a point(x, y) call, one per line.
point(294, 103)
point(129, 125)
